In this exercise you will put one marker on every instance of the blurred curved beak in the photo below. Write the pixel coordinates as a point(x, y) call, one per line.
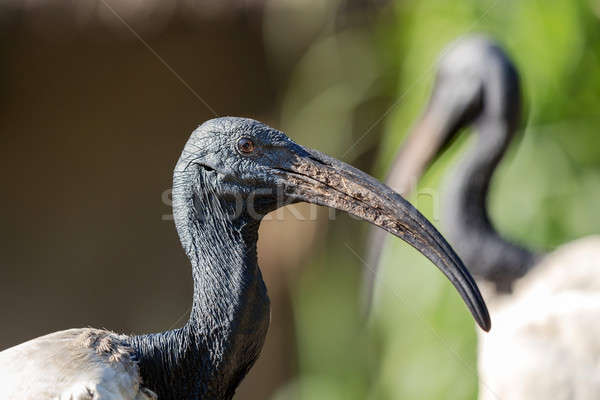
point(446, 112)
point(316, 178)
point(416, 154)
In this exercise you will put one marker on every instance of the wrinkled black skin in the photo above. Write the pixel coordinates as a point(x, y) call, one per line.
point(211, 354)
point(219, 197)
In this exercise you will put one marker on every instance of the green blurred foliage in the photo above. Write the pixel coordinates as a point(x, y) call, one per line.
point(420, 342)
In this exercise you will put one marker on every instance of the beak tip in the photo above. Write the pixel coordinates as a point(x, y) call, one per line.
point(484, 321)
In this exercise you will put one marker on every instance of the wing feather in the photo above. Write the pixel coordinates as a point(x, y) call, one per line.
point(76, 364)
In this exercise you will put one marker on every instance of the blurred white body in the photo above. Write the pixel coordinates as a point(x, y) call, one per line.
point(76, 364)
point(545, 340)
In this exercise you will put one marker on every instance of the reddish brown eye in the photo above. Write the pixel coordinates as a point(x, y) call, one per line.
point(245, 146)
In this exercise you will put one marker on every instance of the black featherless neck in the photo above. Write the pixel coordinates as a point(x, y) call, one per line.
point(213, 351)
point(487, 254)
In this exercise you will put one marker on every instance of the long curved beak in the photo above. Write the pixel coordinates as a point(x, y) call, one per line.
point(317, 178)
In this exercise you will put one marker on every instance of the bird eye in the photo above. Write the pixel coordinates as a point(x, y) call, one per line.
point(245, 146)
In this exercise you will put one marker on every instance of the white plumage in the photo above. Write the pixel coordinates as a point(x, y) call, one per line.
point(546, 338)
point(75, 364)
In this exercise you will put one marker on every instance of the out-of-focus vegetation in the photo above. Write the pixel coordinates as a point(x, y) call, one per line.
point(357, 91)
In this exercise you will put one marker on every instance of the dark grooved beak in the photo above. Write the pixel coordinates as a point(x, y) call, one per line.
point(317, 178)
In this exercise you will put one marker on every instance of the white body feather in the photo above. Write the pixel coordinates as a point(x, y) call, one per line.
point(75, 364)
point(545, 340)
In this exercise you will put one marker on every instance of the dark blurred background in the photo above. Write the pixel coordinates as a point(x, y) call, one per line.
point(97, 98)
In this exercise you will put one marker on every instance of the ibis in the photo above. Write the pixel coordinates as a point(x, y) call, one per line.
point(545, 307)
point(231, 173)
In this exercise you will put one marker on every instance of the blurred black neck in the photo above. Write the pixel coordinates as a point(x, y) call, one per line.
point(483, 250)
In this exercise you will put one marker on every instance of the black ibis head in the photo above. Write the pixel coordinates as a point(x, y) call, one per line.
point(261, 169)
point(476, 83)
